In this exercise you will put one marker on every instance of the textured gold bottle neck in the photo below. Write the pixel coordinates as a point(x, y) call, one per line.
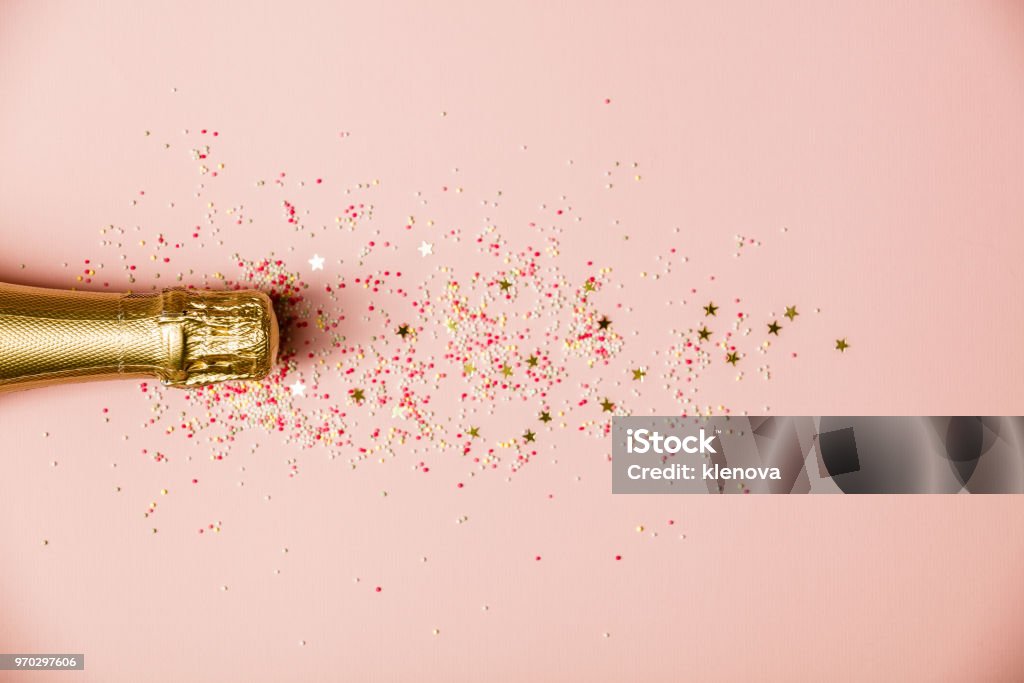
point(181, 337)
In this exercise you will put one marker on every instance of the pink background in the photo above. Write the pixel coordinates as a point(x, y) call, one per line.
point(885, 138)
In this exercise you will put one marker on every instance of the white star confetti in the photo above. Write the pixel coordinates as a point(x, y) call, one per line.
point(317, 262)
point(426, 249)
point(298, 388)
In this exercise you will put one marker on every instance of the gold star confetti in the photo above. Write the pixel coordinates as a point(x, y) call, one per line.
point(473, 432)
point(710, 309)
point(774, 327)
point(704, 333)
point(841, 344)
point(403, 331)
point(358, 395)
point(639, 374)
point(791, 312)
point(604, 322)
point(529, 436)
point(545, 417)
point(607, 406)
point(532, 361)
point(505, 285)
point(732, 358)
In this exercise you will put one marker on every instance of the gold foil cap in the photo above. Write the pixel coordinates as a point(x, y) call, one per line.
point(184, 337)
point(217, 336)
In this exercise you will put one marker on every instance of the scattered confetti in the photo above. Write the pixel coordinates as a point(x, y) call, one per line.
point(467, 366)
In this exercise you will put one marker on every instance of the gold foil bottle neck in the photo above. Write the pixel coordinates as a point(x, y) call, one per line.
point(183, 337)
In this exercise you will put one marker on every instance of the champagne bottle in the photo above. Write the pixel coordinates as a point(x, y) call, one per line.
point(182, 337)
